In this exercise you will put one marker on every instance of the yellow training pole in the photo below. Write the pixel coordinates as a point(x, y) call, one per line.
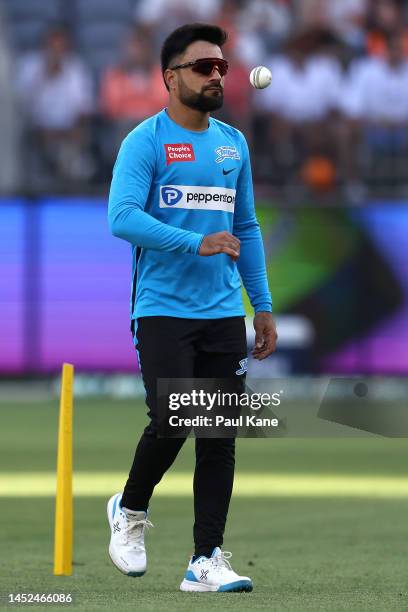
point(63, 506)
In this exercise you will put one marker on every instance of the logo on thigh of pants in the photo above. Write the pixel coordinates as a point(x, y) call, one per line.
point(244, 366)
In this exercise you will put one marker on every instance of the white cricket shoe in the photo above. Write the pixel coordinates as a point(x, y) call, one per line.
point(214, 574)
point(127, 549)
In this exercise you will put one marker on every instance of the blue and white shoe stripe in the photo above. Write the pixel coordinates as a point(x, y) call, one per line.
point(238, 585)
point(115, 503)
point(189, 575)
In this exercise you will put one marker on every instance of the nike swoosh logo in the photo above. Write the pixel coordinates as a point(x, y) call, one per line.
point(225, 172)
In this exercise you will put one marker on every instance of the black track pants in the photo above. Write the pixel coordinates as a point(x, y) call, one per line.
point(172, 347)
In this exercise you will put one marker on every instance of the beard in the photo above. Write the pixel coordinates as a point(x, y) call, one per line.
point(206, 101)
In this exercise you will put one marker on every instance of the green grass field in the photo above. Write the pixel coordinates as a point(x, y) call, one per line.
point(323, 528)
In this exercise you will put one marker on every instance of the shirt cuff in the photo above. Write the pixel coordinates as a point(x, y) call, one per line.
point(265, 307)
point(197, 243)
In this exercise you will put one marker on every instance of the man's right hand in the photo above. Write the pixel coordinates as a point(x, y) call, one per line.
point(221, 242)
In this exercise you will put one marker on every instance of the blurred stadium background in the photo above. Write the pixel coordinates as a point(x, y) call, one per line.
point(329, 146)
point(329, 143)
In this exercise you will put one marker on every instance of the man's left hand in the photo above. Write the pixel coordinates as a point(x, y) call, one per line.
point(265, 335)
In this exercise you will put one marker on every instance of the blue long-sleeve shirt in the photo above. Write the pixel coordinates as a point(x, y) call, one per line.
point(171, 187)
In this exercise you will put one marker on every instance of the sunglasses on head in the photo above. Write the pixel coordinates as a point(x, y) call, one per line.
point(206, 66)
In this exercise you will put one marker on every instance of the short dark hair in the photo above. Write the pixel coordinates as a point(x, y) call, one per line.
point(178, 41)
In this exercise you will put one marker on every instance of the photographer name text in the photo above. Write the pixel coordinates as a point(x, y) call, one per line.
point(221, 421)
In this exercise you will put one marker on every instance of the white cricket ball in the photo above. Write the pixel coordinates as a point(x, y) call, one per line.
point(260, 77)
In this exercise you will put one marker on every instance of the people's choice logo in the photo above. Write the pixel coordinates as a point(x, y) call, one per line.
point(197, 198)
point(179, 152)
point(171, 195)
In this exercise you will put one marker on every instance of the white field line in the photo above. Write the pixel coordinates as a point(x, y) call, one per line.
point(93, 484)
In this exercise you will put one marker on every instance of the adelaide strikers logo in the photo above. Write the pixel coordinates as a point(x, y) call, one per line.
point(244, 366)
point(171, 195)
point(226, 153)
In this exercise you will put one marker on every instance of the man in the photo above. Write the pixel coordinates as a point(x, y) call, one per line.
point(182, 195)
point(55, 89)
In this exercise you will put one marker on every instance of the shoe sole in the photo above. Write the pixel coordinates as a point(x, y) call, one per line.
point(188, 586)
point(130, 574)
point(122, 571)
